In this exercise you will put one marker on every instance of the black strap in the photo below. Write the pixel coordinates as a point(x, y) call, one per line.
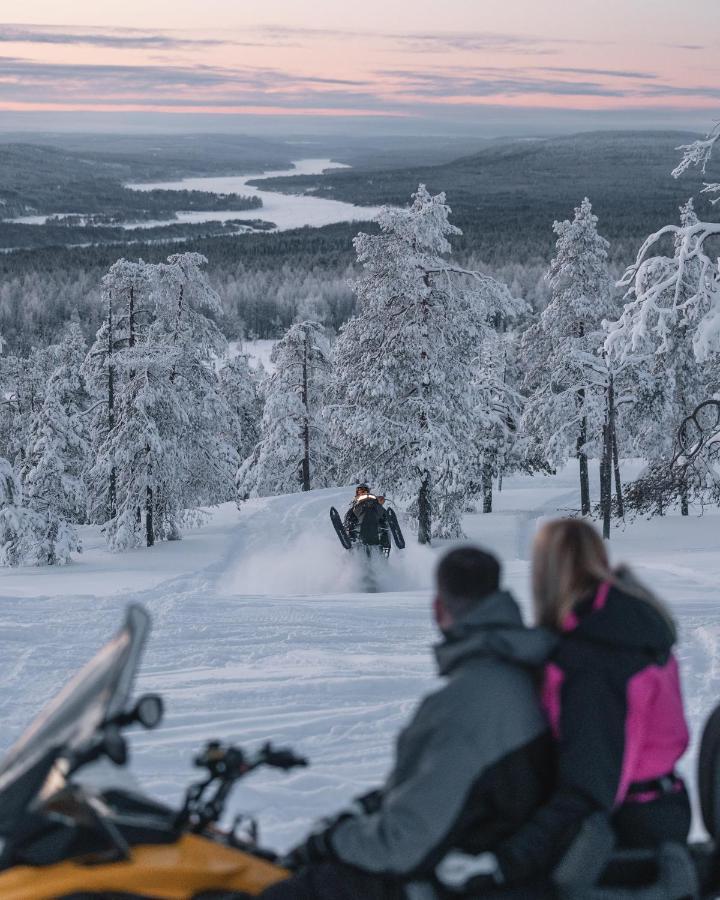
point(665, 784)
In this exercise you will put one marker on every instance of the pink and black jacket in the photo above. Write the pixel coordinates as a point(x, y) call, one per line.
point(612, 695)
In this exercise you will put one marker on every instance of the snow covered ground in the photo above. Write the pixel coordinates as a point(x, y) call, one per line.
point(260, 633)
point(257, 351)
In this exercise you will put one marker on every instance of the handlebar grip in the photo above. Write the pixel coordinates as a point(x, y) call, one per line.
point(282, 757)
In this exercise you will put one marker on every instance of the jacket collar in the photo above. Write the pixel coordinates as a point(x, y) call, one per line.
point(494, 628)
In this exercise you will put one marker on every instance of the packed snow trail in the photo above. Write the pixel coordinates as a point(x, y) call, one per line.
point(260, 632)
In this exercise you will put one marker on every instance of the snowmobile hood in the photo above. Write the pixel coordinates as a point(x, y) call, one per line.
point(630, 617)
point(494, 628)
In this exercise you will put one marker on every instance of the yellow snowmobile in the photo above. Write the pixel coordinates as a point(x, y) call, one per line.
point(60, 838)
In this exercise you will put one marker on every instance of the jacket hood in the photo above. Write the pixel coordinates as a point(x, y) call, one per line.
point(494, 628)
point(631, 617)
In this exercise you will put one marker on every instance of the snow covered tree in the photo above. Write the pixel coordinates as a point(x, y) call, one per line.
point(665, 295)
point(498, 411)
point(29, 538)
point(404, 413)
point(160, 448)
point(241, 390)
point(186, 310)
point(57, 456)
point(566, 379)
point(23, 382)
point(57, 444)
point(653, 341)
point(13, 517)
point(698, 155)
point(293, 449)
point(126, 293)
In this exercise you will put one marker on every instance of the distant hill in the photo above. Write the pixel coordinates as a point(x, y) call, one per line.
point(87, 173)
point(506, 197)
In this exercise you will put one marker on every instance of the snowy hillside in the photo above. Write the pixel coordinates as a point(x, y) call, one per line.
point(260, 632)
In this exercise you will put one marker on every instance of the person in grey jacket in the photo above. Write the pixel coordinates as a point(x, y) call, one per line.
point(472, 765)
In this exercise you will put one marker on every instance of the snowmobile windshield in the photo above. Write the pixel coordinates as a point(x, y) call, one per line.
point(73, 719)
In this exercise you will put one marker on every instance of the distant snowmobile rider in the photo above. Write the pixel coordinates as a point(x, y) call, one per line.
point(366, 520)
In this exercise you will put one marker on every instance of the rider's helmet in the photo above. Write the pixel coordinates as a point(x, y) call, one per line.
point(362, 489)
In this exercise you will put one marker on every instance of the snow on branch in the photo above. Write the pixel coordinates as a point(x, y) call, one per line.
point(698, 155)
point(665, 293)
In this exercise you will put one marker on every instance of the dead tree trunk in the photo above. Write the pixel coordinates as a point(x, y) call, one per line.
point(425, 510)
point(616, 467)
point(487, 489)
point(606, 482)
point(683, 491)
point(149, 524)
point(306, 417)
point(606, 464)
point(582, 459)
point(112, 487)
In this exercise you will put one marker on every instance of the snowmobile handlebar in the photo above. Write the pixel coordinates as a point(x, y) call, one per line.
point(229, 763)
point(225, 764)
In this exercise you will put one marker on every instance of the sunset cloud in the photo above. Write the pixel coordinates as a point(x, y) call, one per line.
point(320, 64)
point(123, 38)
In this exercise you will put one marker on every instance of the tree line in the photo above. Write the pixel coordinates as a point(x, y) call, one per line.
point(442, 381)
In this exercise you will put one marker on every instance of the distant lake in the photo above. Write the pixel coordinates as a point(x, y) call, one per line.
point(285, 210)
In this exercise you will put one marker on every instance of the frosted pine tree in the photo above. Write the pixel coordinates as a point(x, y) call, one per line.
point(23, 382)
point(687, 292)
point(161, 447)
point(57, 455)
point(653, 342)
point(186, 310)
point(57, 452)
point(292, 452)
point(22, 530)
point(144, 450)
point(126, 294)
point(13, 518)
point(566, 380)
point(699, 155)
point(498, 411)
point(403, 414)
point(241, 391)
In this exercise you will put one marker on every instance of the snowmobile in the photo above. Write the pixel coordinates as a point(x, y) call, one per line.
point(368, 525)
point(62, 838)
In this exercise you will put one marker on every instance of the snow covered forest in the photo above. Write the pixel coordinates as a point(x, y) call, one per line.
point(445, 380)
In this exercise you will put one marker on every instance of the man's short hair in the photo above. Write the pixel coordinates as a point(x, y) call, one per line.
point(464, 577)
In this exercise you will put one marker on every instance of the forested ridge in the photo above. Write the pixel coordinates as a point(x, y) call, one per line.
point(502, 199)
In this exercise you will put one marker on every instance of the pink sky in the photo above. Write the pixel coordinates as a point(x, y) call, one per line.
point(410, 58)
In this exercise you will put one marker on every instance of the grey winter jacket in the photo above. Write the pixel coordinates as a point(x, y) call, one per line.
point(475, 761)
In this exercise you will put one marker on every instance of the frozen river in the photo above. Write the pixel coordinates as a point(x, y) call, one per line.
point(285, 210)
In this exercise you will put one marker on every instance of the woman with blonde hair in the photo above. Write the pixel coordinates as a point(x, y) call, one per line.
point(612, 695)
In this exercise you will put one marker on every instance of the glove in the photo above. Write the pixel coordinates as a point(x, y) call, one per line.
point(462, 872)
point(316, 847)
point(313, 849)
point(368, 803)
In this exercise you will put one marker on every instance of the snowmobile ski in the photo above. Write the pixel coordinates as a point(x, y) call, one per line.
point(395, 529)
point(340, 528)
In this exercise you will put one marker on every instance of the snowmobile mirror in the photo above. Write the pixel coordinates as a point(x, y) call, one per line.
point(114, 746)
point(149, 710)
